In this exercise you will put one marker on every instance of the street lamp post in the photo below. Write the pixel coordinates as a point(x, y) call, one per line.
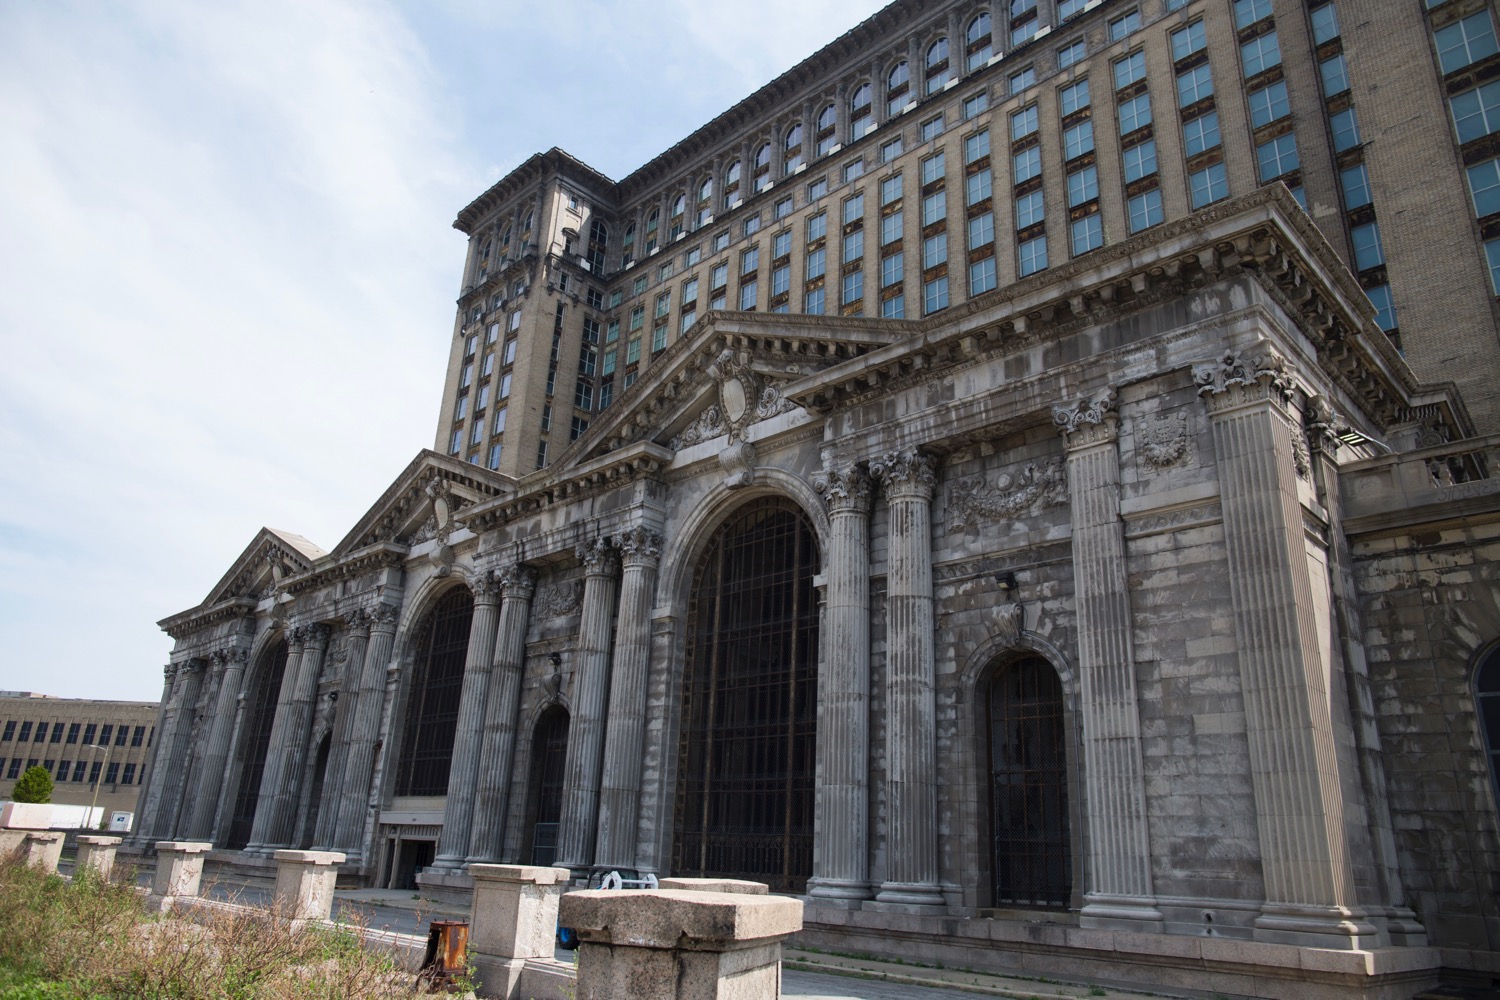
point(93, 759)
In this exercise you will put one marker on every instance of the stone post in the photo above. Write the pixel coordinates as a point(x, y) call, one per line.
point(151, 779)
point(468, 738)
point(664, 944)
point(513, 918)
point(580, 807)
point(288, 791)
point(43, 848)
point(174, 790)
point(620, 791)
point(841, 851)
point(304, 885)
point(359, 760)
point(97, 853)
point(270, 777)
point(1293, 764)
point(357, 645)
point(230, 665)
point(501, 715)
point(1120, 893)
point(911, 684)
point(179, 869)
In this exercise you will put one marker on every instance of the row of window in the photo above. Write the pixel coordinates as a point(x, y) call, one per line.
point(78, 771)
point(44, 732)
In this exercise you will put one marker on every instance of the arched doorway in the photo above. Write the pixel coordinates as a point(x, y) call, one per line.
point(544, 797)
point(260, 716)
point(1030, 846)
point(747, 750)
point(432, 700)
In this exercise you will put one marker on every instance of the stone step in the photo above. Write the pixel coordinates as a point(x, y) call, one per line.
point(985, 983)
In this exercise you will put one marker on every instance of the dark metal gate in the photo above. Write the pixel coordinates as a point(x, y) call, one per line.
point(747, 751)
point(1028, 787)
point(549, 754)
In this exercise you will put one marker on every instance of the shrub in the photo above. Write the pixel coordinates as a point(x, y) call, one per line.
point(35, 785)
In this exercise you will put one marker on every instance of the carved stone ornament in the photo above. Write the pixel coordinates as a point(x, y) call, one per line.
point(557, 600)
point(709, 425)
point(317, 634)
point(745, 397)
point(738, 463)
point(486, 588)
point(640, 545)
point(1163, 442)
point(358, 622)
point(905, 473)
point(1007, 622)
point(1300, 458)
point(519, 581)
point(844, 487)
point(384, 617)
point(1237, 374)
point(597, 556)
point(1091, 418)
point(1323, 425)
point(1036, 488)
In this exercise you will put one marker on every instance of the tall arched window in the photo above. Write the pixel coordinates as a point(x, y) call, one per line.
point(505, 238)
point(705, 203)
point(747, 751)
point(762, 176)
point(897, 87)
point(653, 224)
point(598, 245)
point(679, 209)
point(792, 149)
point(937, 65)
point(627, 245)
point(732, 185)
point(432, 700)
point(260, 713)
point(827, 129)
point(1030, 847)
point(859, 111)
point(544, 796)
point(979, 41)
point(1487, 702)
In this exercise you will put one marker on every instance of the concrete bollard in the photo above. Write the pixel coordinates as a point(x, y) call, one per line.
point(97, 853)
point(673, 944)
point(513, 919)
point(179, 869)
point(304, 884)
point(44, 847)
point(739, 885)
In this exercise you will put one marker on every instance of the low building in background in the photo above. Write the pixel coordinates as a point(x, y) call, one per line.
point(83, 743)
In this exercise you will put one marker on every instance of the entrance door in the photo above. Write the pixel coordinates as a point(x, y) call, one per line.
point(549, 752)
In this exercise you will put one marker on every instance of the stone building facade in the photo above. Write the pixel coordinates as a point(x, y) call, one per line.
point(1134, 619)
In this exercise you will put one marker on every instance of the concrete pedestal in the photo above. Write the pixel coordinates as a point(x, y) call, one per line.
point(304, 884)
point(179, 869)
point(735, 885)
point(97, 853)
point(671, 944)
point(43, 847)
point(513, 921)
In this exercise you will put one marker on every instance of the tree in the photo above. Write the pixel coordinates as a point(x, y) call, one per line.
point(33, 786)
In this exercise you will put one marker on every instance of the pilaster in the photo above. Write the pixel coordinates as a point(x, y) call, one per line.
point(230, 665)
point(364, 732)
point(151, 779)
point(356, 646)
point(169, 816)
point(270, 779)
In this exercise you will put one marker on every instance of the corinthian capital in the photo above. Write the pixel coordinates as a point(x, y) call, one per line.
point(905, 473)
point(519, 580)
point(383, 617)
point(1238, 377)
point(1090, 420)
point(844, 488)
point(640, 546)
point(598, 556)
point(486, 588)
point(316, 634)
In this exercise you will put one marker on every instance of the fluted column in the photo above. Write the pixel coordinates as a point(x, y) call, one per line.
point(151, 780)
point(364, 733)
point(231, 668)
point(286, 792)
point(502, 713)
point(357, 644)
point(841, 853)
point(620, 790)
point(468, 737)
point(182, 741)
point(270, 776)
point(1119, 845)
point(1293, 762)
point(911, 684)
point(580, 809)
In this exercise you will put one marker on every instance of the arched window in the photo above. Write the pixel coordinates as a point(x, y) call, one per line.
point(432, 700)
point(732, 185)
point(897, 86)
point(706, 189)
point(505, 238)
point(549, 753)
point(762, 168)
point(255, 743)
point(679, 208)
point(530, 222)
point(653, 223)
point(1030, 846)
point(827, 129)
point(1487, 702)
point(745, 773)
point(859, 111)
point(598, 245)
point(979, 41)
point(792, 149)
point(627, 245)
point(937, 65)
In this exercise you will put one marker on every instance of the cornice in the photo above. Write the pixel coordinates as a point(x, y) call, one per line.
point(536, 168)
point(549, 488)
point(185, 623)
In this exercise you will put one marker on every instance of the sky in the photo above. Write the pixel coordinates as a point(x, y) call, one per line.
point(227, 267)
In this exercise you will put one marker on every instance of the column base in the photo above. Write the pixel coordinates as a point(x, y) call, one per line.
point(1337, 927)
point(831, 889)
point(910, 894)
point(447, 865)
point(1121, 913)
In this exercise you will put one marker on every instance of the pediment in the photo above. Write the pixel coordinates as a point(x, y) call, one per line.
point(272, 556)
point(727, 375)
point(421, 502)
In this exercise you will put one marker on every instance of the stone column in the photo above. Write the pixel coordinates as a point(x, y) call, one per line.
point(175, 770)
point(304, 885)
point(1293, 764)
point(355, 648)
point(151, 779)
point(580, 809)
point(1119, 846)
point(97, 853)
point(841, 852)
point(364, 733)
point(620, 791)
point(270, 775)
point(286, 792)
point(502, 715)
point(230, 664)
point(179, 870)
point(468, 736)
point(911, 687)
point(513, 918)
point(657, 944)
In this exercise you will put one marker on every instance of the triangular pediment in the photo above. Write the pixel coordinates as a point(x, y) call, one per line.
point(271, 557)
point(421, 501)
point(725, 375)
